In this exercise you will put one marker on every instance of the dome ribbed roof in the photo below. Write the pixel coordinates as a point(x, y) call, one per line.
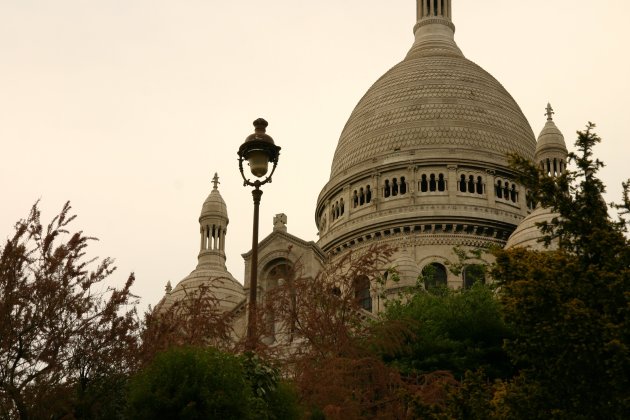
point(550, 138)
point(528, 234)
point(434, 99)
point(220, 283)
point(214, 205)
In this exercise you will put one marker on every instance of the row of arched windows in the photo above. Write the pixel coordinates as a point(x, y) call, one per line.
point(434, 275)
point(211, 237)
point(337, 210)
point(467, 183)
point(431, 183)
point(505, 191)
point(361, 196)
point(552, 167)
point(471, 184)
point(434, 8)
point(395, 187)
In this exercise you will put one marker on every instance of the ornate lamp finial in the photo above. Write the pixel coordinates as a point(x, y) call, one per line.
point(549, 112)
point(215, 181)
point(168, 287)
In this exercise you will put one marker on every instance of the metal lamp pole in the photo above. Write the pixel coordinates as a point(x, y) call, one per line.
point(259, 150)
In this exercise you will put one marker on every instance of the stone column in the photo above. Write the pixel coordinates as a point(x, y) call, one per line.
point(491, 184)
point(451, 185)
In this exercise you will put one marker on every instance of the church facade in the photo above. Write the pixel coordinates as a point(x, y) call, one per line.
point(421, 164)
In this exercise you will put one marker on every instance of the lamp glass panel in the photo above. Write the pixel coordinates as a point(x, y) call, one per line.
point(258, 163)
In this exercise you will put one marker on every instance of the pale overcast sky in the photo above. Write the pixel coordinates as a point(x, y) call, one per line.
point(128, 107)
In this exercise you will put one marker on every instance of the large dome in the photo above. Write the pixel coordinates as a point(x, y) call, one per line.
point(435, 100)
point(423, 158)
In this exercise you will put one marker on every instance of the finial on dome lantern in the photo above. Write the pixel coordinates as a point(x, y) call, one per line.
point(168, 287)
point(549, 112)
point(215, 181)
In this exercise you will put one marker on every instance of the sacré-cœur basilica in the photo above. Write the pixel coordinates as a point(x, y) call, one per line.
point(421, 164)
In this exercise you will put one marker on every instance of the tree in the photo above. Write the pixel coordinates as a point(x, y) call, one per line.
point(194, 320)
point(204, 383)
point(569, 308)
point(61, 330)
point(332, 346)
point(451, 330)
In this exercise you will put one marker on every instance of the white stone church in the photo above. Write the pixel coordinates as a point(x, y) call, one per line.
point(421, 164)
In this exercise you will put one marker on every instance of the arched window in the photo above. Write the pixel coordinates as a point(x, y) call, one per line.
point(441, 183)
point(479, 185)
point(355, 199)
point(506, 191)
point(394, 187)
point(403, 186)
point(548, 167)
point(474, 273)
point(361, 197)
point(462, 183)
point(434, 276)
point(362, 293)
point(387, 189)
point(341, 207)
point(499, 189)
point(471, 184)
point(368, 194)
point(432, 183)
point(513, 194)
point(277, 273)
point(424, 185)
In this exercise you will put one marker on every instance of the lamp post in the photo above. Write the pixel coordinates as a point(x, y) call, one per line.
point(259, 150)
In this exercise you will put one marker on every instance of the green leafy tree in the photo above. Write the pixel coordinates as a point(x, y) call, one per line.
point(203, 383)
point(452, 330)
point(569, 308)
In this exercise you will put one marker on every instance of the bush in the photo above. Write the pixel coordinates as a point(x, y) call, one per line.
point(191, 383)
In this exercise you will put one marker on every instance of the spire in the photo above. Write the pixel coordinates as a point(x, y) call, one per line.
point(551, 150)
point(434, 30)
point(549, 112)
point(216, 182)
point(213, 223)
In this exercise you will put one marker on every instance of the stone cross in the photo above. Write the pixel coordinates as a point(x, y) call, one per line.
point(280, 222)
point(215, 181)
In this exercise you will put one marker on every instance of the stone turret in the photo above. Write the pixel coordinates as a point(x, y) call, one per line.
point(211, 270)
point(551, 150)
point(551, 154)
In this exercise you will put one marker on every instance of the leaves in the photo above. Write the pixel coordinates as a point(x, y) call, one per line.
point(57, 330)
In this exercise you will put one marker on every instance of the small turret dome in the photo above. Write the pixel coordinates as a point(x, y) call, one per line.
point(550, 139)
point(528, 234)
point(211, 271)
point(214, 206)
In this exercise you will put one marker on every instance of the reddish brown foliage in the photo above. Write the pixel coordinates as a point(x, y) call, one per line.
point(194, 320)
point(60, 328)
point(329, 344)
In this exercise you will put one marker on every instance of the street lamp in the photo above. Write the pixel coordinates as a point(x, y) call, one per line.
point(259, 150)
